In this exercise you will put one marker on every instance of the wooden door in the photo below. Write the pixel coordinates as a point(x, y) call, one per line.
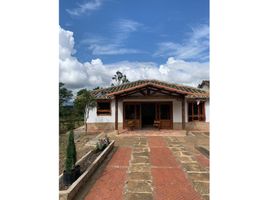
point(165, 115)
point(132, 115)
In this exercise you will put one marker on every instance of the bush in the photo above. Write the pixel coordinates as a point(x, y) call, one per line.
point(102, 143)
point(70, 153)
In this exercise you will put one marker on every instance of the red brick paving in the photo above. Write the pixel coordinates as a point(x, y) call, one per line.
point(156, 141)
point(203, 160)
point(162, 157)
point(110, 185)
point(169, 180)
point(172, 184)
point(121, 157)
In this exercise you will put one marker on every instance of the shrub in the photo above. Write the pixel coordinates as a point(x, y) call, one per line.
point(70, 153)
point(102, 143)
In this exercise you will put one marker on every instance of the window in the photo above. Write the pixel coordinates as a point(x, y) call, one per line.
point(196, 112)
point(104, 108)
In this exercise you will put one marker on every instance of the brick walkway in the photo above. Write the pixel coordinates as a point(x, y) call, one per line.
point(169, 180)
point(111, 184)
point(154, 167)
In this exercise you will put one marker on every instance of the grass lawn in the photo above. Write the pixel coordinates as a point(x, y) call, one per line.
point(80, 140)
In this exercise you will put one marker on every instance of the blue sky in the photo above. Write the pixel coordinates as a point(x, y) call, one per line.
point(161, 36)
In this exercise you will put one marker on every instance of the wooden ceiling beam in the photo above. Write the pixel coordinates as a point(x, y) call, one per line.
point(142, 92)
point(165, 92)
point(148, 91)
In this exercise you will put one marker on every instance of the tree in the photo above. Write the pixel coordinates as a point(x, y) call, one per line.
point(70, 153)
point(83, 102)
point(65, 95)
point(80, 92)
point(97, 88)
point(119, 78)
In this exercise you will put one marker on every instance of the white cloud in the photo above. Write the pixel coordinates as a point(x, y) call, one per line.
point(114, 45)
point(95, 73)
point(66, 40)
point(87, 7)
point(127, 25)
point(195, 47)
point(110, 49)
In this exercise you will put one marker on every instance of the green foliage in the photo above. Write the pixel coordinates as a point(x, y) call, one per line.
point(70, 153)
point(64, 96)
point(83, 100)
point(80, 92)
point(102, 143)
point(99, 145)
point(70, 124)
point(97, 88)
point(119, 78)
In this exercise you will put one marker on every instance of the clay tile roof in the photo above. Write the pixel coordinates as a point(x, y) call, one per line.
point(190, 92)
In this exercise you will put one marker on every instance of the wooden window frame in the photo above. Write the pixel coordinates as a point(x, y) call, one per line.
point(104, 112)
point(200, 116)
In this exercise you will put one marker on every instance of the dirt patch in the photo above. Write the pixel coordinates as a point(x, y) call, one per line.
point(80, 140)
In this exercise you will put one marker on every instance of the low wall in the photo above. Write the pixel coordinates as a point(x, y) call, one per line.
point(177, 125)
point(196, 125)
point(74, 188)
point(109, 126)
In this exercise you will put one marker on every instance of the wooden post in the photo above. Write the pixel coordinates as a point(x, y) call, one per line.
point(116, 113)
point(183, 112)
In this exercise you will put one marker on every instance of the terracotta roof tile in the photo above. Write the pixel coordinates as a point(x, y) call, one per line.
point(190, 92)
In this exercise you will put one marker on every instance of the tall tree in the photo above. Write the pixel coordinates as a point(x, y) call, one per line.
point(65, 95)
point(97, 88)
point(119, 78)
point(83, 102)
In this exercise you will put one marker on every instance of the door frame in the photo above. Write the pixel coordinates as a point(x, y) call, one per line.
point(157, 113)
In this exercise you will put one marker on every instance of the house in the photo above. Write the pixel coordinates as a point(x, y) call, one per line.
point(145, 102)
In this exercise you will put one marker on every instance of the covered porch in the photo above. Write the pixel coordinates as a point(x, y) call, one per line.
point(142, 108)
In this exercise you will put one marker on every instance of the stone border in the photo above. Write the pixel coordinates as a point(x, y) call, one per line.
point(74, 188)
point(203, 150)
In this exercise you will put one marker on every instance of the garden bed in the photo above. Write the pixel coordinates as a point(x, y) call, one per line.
point(81, 139)
point(88, 164)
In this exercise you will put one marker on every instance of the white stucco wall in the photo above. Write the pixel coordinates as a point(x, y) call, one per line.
point(94, 118)
point(177, 111)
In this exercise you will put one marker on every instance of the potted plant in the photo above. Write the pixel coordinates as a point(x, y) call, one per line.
point(71, 172)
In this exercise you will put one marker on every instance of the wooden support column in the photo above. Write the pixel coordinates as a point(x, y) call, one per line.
point(183, 112)
point(116, 113)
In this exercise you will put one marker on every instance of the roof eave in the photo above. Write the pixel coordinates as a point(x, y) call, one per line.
point(149, 84)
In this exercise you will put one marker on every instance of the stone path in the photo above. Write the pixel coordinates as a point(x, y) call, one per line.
point(193, 163)
point(139, 180)
point(154, 167)
point(169, 180)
